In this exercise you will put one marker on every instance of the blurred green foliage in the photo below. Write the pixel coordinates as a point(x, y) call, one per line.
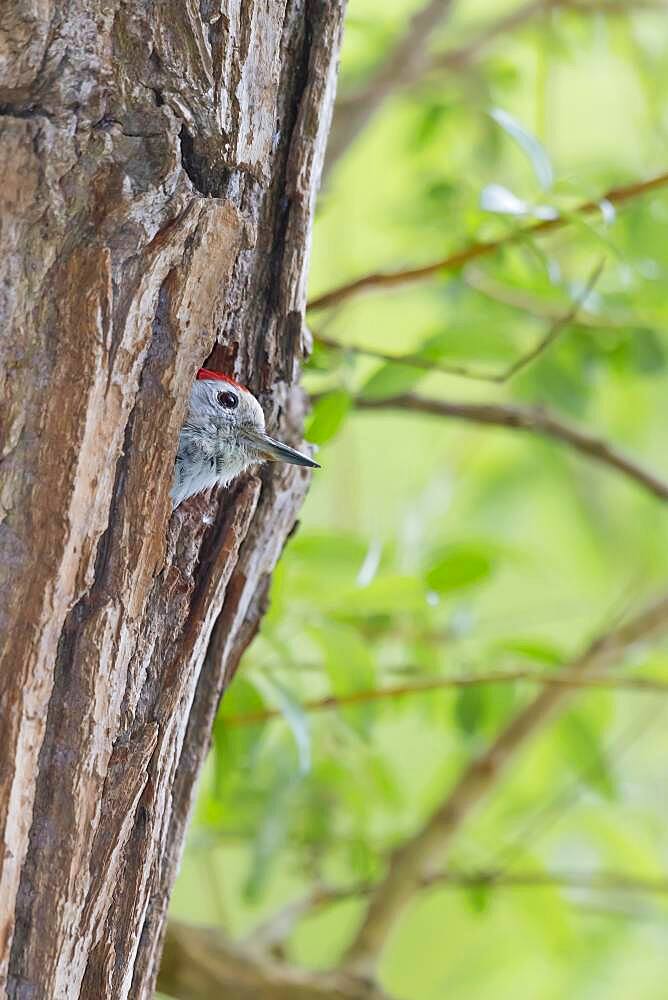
point(430, 548)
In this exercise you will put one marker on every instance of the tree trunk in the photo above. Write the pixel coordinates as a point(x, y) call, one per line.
point(159, 169)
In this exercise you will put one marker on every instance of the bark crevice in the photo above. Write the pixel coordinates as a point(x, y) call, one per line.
point(156, 212)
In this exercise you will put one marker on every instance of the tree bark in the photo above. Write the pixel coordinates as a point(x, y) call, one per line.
point(159, 168)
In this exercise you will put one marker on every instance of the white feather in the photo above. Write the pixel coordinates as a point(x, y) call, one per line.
point(212, 450)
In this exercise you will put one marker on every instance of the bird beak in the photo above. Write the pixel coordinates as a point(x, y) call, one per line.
point(275, 451)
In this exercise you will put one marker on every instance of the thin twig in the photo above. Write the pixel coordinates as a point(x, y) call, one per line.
point(600, 881)
point(555, 330)
point(425, 850)
point(408, 62)
point(279, 926)
point(558, 325)
point(463, 56)
point(335, 702)
point(202, 962)
point(412, 360)
point(277, 929)
point(550, 812)
point(597, 881)
point(454, 262)
point(543, 309)
point(404, 65)
point(614, 6)
point(531, 420)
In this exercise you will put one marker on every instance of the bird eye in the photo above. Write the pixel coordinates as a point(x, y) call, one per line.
point(229, 400)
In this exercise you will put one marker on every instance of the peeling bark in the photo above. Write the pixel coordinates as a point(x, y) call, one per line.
point(160, 164)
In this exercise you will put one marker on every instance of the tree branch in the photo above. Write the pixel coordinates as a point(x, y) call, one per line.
point(543, 309)
point(562, 680)
point(454, 262)
point(602, 881)
point(597, 881)
point(404, 65)
point(408, 63)
point(465, 55)
point(558, 325)
point(200, 963)
point(413, 360)
point(533, 420)
point(277, 929)
point(412, 859)
point(614, 6)
point(553, 332)
point(272, 934)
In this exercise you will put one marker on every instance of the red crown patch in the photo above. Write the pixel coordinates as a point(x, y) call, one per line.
point(206, 374)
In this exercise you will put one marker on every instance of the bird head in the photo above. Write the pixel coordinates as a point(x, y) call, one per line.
point(223, 434)
point(237, 420)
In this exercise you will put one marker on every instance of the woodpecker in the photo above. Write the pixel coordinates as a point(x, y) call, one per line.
point(223, 434)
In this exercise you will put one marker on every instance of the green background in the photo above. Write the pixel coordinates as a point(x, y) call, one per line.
point(432, 548)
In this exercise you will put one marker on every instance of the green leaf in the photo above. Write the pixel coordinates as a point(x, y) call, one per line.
point(241, 698)
point(293, 713)
point(588, 227)
point(430, 119)
point(328, 415)
point(362, 859)
point(647, 353)
point(270, 834)
point(392, 379)
point(582, 745)
point(323, 358)
point(501, 703)
point(460, 567)
point(348, 659)
point(500, 199)
point(384, 779)
point(470, 709)
point(535, 151)
point(549, 381)
point(232, 743)
point(474, 342)
point(535, 649)
point(387, 594)
point(479, 897)
point(350, 667)
point(329, 551)
point(497, 198)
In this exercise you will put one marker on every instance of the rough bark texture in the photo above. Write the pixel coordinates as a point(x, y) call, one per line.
point(159, 167)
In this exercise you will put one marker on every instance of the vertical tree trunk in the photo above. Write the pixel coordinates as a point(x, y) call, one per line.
point(159, 168)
